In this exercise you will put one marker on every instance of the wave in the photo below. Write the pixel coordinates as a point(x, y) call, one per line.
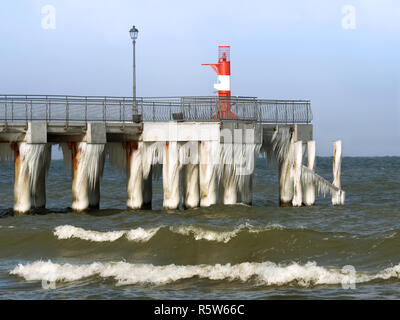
point(138, 235)
point(143, 235)
point(264, 273)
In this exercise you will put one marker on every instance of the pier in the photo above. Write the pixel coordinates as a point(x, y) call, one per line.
point(203, 153)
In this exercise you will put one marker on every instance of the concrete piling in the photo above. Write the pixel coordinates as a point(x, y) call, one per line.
point(297, 164)
point(309, 187)
point(338, 196)
point(171, 176)
point(134, 173)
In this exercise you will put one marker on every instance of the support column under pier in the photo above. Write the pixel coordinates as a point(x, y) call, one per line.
point(208, 158)
point(227, 183)
point(245, 195)
point(87, 169)
point(171, 175)
point(32, 162)
point(286, 178)
point(309, 186)
point(190, 186)
point(134, 174)
point(297, 165)
point(148, 191)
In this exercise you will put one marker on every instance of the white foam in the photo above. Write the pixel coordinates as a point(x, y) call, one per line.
point(265, 273)
point(144, 235)
point(204, 234)
point(68, 232)
point(140, 234)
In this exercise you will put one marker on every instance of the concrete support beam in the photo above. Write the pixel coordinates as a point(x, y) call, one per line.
point(36, 133)
point(96, 133)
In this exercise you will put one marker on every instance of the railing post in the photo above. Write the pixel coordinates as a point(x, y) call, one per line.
point(12, 109)
point(66, 113)
point(104, 109)
point(170, 111)
point(86, 106)
point(123, 110)
point(154, 113)
point(5, 112)
point(47, 110)
point(26, 111)
point(31, 109)
point(120, 111)
point(293, 106)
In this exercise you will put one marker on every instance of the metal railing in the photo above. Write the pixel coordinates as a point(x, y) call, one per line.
point(82, 109)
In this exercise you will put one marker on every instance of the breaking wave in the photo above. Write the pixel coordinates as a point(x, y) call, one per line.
point(143, 235)
point(263, 274)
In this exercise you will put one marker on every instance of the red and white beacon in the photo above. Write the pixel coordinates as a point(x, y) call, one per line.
point(223, 70)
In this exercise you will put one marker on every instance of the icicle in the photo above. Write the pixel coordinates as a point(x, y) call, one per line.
point(32, 162)
point(134, 151)
point(209, 153)
point(88, 169)
point(323, 186)
point(245, 171)
point(227, 175)
point(309, 188)
point(152, 158)
point(283, 147)
point(337, 197)
point(189, 162)
point(297, 164)
point(171, 169)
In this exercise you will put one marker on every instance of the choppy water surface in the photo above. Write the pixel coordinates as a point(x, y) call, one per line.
point(233, 252)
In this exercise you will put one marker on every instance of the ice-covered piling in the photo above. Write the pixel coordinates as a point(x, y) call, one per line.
point(309, 187)
point(208, 158)
point(171, 170)
point(87, 169)
point(32, 163)
point(283, 148)
point(297, 165)
point(134, 174)
point(337, 196)
point(189, 162)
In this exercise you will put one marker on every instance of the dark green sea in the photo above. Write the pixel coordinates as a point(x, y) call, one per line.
point(221, 252)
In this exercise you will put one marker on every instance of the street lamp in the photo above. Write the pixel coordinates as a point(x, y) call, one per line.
point(134, 34)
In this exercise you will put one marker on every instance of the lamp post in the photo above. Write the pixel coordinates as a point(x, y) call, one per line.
point(134, 34)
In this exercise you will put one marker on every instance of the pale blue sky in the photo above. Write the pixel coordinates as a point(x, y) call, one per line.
point(280, 50)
